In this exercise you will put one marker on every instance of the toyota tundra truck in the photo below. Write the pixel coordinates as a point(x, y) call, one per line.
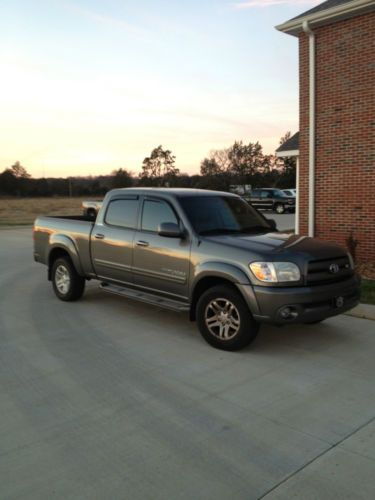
point(208, 253)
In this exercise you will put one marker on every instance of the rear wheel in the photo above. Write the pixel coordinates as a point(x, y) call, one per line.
point(68, 285)
point(279, 208)
point(224, 319)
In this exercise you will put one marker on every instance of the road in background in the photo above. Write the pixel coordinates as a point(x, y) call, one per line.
point(109, 398)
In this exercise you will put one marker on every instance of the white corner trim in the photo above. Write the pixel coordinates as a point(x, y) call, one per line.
point(307, 29)
point(286, 154)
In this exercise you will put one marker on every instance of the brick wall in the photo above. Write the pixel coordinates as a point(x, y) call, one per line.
point(345, 133)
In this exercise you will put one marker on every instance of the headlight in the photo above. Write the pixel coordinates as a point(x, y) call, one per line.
point(275, 272)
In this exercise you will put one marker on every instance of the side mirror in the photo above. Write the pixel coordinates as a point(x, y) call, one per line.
point(170, 230)
point(272, 223)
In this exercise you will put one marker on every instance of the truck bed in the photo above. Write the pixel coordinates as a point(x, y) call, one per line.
point(74, 230)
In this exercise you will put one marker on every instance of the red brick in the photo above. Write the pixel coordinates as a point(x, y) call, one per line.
point(345, 133)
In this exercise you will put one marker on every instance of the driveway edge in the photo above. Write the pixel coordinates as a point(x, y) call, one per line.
point(365, 311)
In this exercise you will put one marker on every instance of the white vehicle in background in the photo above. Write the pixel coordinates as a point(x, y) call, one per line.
point(91, 208)
point(290, 192)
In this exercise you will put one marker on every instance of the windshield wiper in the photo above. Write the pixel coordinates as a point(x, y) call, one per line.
point(250, 229)
point(219, 230)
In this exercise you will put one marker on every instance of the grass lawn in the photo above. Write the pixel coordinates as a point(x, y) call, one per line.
point(368, 291)
point(18, 211)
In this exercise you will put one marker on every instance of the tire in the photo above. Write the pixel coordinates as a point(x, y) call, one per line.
point(279, 208)
point(67, 284)
point(240, 329)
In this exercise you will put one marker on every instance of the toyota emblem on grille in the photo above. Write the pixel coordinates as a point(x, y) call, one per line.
point(334, 268)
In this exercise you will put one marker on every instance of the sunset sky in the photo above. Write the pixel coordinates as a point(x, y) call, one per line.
point(90, 86)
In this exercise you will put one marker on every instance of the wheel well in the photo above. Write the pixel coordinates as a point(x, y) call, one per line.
point(203, 285)
point(56, 253)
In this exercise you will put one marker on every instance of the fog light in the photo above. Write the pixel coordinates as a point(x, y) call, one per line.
point(285, 313)
point(288, 312)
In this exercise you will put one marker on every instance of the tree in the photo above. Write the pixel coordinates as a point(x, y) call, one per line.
point(8, 182)
point(159, 167)
point(245, 161)
point(287, 165)
point(19, 171)
point(121, 178)
point(210, 167)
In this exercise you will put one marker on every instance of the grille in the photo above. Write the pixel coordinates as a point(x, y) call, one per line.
point(320, 271)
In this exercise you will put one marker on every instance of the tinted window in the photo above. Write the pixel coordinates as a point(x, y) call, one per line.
point(266, 194)
point(255, 192)
point(156, 212)
point(122, 213)
point(278, 192)
point(222, 214)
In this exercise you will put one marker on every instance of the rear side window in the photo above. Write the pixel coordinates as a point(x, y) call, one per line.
point(154, 213)
point(122, 213)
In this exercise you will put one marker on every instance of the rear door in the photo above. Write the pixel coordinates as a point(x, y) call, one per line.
point(113, 239)
point(255, 198)
point(160, 263)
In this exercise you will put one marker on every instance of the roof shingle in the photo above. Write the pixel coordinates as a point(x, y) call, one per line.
point(291, 144)
point(329, 4)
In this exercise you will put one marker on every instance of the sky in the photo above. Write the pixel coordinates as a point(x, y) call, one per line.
point(89, 86)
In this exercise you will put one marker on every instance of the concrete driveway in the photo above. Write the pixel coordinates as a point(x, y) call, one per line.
point(108, 398)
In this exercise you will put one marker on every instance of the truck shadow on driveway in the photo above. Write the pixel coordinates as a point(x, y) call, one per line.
point(177, 326)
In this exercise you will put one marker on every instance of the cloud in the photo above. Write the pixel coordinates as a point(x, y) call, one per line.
point(109, 20)
point(251, 4)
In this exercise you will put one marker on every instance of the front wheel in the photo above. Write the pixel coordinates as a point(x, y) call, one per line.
point(68, 285)
point(224, 319)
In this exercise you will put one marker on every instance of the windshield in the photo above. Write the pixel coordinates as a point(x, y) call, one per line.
point(222, 215)
point(278, 192)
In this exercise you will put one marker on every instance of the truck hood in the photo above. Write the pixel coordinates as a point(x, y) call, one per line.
point(275, 246)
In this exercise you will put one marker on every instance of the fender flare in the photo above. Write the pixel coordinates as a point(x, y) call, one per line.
point(219, 270)
point(227, 272)
point(63, 242)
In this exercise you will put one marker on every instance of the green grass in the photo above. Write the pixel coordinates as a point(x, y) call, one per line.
point(368, 291)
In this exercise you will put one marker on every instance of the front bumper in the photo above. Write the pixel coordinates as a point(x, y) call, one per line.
point(306, 304)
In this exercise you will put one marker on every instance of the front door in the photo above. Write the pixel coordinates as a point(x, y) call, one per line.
point(160, 263)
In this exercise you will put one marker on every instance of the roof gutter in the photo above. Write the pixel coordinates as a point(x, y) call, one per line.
point(312, 93)
point(344, 11)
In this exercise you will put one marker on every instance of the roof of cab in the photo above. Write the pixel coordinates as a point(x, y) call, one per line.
point(176, 192)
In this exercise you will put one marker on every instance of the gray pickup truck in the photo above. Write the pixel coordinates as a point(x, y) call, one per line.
point(205, 252)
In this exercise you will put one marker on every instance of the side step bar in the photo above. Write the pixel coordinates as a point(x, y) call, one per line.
point(149, 298)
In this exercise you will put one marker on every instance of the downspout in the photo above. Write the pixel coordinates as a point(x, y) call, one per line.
point(312, 92)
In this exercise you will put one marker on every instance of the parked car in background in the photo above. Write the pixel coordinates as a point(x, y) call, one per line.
point(290, 192)
point(91, 208)
point(271, 199)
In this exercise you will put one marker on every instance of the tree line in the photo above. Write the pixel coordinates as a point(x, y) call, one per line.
point(242, 164)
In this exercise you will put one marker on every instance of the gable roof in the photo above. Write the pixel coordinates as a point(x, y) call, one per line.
point(289, 147)
point(327, 12)
point(323, 6)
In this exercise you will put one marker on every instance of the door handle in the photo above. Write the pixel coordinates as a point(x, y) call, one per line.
point(141, 243)
point(99, 236)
